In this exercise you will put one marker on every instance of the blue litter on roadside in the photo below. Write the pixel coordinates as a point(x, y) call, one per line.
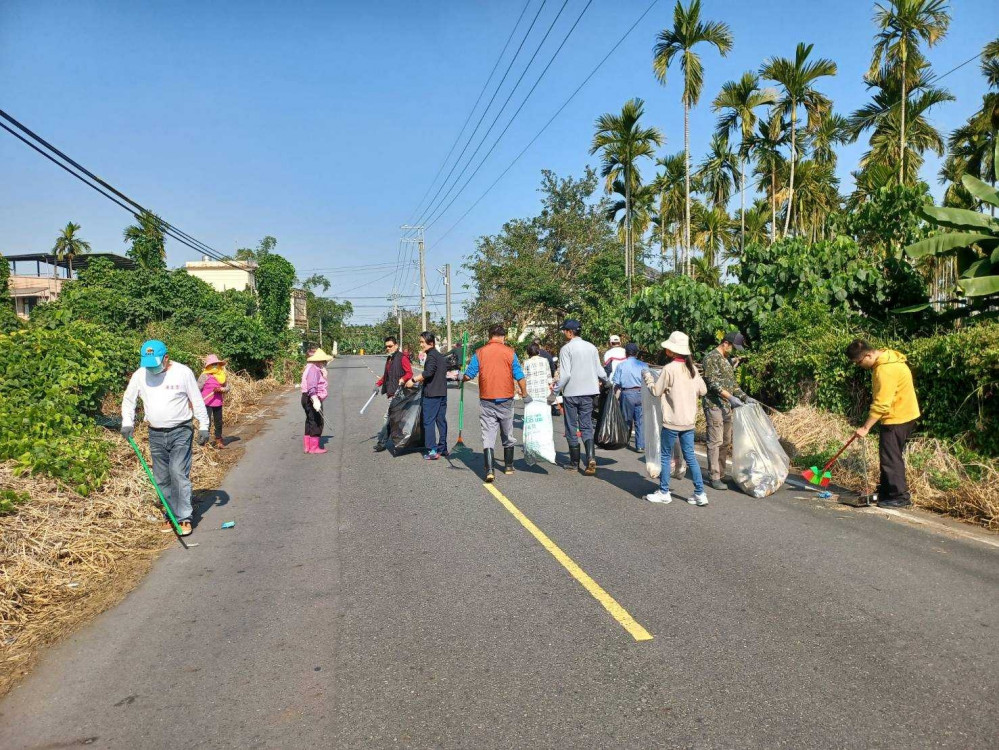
point(228, 524)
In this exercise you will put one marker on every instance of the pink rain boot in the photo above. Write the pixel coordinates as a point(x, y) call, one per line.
point(315, 446)
point(306, 444)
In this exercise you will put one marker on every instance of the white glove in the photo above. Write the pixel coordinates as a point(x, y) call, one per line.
point(317, 404)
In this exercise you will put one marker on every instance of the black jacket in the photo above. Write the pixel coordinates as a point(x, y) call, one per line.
point(435, 374)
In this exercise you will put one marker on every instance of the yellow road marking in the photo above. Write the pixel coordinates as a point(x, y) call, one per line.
point(618, 612)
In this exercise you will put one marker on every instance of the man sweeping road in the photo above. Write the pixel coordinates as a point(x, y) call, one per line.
point(170, 397)
point(895, 406)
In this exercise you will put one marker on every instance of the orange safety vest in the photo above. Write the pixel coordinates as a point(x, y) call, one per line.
point(495, 371)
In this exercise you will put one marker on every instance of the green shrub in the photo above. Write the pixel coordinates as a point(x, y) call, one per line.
point(10, 499)
point(677, 303)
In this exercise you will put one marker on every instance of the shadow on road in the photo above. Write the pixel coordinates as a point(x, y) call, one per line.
point(205, 500)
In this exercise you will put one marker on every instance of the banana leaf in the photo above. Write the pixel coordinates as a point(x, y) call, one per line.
point(981, 267)
point(981, 190)
point(980, 287)
point(942, 244)
point(959, 218)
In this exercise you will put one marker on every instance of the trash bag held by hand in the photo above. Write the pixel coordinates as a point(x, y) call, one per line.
point(539, 440)
point(652, 423)
point(759, 463)
point(406, 419)
point(612, 431)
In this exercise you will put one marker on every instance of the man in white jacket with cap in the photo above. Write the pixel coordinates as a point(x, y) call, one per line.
point(170, 397)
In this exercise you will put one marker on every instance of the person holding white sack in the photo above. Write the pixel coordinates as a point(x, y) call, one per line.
point(678, 388)
point(538, 433)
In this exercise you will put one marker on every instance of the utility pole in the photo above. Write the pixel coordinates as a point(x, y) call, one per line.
point(447, 301)
point(423, 271)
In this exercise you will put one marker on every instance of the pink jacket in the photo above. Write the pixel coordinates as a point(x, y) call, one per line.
point(314, 381)
point(208, 385)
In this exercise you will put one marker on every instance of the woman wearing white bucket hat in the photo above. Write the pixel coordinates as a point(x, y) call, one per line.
point(679, 388)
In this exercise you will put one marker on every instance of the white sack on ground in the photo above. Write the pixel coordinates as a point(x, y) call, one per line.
point(539, 440)
point(759, 463)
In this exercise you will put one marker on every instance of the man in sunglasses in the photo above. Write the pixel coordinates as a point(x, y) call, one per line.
point(398, 371)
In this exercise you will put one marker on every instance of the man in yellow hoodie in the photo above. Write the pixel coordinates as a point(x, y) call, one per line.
point(894, 405)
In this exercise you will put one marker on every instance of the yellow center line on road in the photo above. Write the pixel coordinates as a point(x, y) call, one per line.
point(618, 612)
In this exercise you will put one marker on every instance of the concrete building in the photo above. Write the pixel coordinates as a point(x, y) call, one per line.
point(234, 274)
point(44, 285)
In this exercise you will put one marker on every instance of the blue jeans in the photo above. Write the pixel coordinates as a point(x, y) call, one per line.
point(666, 440)
point(171, 454)
point(631, 407)
point(578, 416)
point(435, 423)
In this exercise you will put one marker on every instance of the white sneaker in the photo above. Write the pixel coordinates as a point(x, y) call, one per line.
point(659, 497)
point(700, 499)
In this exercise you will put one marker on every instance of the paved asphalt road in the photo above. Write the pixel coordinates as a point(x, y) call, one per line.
point(369, 601)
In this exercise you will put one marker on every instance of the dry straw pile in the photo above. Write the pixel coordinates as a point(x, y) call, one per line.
point(65, 558)
point(938, 479)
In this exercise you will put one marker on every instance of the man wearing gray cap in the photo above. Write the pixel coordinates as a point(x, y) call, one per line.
point(581, 374)
point(723, 395)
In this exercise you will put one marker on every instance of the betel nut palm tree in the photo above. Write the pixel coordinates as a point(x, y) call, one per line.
point(796, 79)
point(901, 25)
point(68, 245)
point(678, 43)
point(621, 141)
point(737, 102)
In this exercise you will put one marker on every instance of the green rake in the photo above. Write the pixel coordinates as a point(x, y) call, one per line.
point(159, 492)
point(459, 444)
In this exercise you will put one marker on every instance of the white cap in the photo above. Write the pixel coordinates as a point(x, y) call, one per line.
point(615, 339)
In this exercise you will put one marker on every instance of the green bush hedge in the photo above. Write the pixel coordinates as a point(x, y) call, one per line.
point(799, 358)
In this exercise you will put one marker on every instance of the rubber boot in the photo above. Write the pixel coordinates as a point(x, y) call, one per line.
point(591, 461)
point(573, 464)
point(315, 446)
point(508, 460)
point(487, 457)
point(306, 444)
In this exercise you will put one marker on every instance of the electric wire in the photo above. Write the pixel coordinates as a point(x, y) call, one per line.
point(552, 119)
point(168, 228)
point(485, 111)
point(431, 210)
point(579, 18)
point(471, 112)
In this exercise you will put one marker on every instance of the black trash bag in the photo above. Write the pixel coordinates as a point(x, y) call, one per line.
point(612, 431)
point(406, 419)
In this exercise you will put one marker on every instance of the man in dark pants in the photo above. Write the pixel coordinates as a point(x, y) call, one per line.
point(580, 374)
point(398, 371)
point(434, 379)
point(895, 406)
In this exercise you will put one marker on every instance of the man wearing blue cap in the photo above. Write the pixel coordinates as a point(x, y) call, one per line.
point(627, 377)
point(170, 397)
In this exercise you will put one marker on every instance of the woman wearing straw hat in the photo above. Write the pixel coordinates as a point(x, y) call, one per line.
point(679, 387)
point(314, 392)
point(212, 383)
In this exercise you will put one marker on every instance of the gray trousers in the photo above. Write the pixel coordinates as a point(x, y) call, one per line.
point(495, 418)
point(171, 453)
point(719, 424)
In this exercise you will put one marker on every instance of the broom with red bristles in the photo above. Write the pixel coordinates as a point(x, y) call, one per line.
point(824, 477)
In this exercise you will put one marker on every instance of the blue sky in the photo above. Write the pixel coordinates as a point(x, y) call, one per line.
point(323, 123)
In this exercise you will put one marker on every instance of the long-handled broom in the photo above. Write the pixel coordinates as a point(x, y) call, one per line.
point(159, 492)
point(823, 478)
point(459, 444)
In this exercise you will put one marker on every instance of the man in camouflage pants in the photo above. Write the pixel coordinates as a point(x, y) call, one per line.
point(723, 395)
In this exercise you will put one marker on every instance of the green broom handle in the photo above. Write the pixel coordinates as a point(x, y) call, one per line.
point(149, 473)
point(461, 386)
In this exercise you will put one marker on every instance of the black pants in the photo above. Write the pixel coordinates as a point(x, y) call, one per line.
point(313, 418)
point(215, 417)
point(891, 447)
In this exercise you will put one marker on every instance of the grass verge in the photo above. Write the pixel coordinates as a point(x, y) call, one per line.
point(65, 558)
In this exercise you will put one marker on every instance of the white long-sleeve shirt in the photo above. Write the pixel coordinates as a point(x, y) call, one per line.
point(167, 398)
point(580, 369)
